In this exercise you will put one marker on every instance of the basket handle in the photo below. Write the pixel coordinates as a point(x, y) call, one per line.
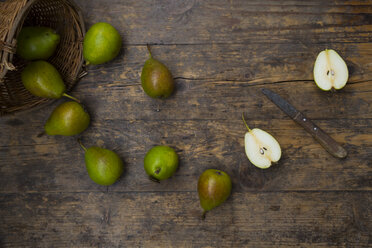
point(10, 49)
point(7, 47)
point(8, 66)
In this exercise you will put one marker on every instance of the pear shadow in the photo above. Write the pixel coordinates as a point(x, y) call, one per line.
point(351, 67)
point(250, 177)
point(253, 178)
point(177, 88)
point(179, 153)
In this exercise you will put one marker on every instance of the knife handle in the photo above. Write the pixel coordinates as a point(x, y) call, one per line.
point(324, 139)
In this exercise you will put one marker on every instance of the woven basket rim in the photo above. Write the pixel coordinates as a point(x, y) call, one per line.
point(11, 33)
point(21, 15)
point(7, 55)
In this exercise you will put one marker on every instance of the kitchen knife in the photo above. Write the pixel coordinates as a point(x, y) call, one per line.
point(319, 135)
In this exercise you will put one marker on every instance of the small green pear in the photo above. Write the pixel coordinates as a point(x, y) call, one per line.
point(161, 162)
point(42, 79)
point(157, 80)
point(37, 42)
point(104, 166)
point(214, 187)
point(67, 119)
point(101, 44)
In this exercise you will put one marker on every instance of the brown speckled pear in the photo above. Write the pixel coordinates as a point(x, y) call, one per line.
point(214, 187)
point(157, 81)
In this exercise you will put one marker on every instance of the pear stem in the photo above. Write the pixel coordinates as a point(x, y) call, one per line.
point(82, 146)
point(71, 97)
point(245, 123)
point(204, 214)
point(148, 48)
point(154, 179)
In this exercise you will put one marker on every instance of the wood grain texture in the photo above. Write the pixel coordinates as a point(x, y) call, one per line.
point(237, 21)
point(201, 144)
point(221, 53)
point(333, 219)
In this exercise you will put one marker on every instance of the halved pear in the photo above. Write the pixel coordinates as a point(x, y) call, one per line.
point(261, 148)
point(330, 70)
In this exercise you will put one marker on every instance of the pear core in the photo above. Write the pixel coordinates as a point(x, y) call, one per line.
point(330, 70)
point(261, 148)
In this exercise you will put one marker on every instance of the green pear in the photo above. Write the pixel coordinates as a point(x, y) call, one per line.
point(157, 80)
point(161, 162)
point(214, 187)
point(104, 166)
point(42, 79)
point(37, 42)
point(67, 119)
point(101, 44)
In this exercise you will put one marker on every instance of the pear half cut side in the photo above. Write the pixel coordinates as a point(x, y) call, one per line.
point(330, 70)
point(261, 148)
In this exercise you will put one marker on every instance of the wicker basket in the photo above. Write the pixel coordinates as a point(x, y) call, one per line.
point(61, 15)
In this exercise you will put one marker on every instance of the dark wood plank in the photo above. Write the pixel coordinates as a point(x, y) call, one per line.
point(31, 163)
point(207, 89)
point(202, 120)
point(238, 21)
point(221, 54)
point(312, 219)
point(221, 100)
point(252, 63)
point(216, 82)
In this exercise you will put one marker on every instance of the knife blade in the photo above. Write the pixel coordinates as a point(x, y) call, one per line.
point(328, 143)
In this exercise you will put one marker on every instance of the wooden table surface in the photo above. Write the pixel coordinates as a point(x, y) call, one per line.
point(221, 54)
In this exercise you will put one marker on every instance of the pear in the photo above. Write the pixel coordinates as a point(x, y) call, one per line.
point(261, 148)
point(67, 119)
point(157, 81)
point(330, 70)
point(214, 187)
point(161, 162)
point(104, 166)
point(42, 79)
point(37, 42)
point(101, 43)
